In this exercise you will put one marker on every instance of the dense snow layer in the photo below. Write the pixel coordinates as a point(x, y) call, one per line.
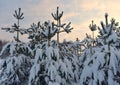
point(96, 66)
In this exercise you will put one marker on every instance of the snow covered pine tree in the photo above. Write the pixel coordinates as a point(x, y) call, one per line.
point(45, 68)
point(103, 67)
point(15, 64)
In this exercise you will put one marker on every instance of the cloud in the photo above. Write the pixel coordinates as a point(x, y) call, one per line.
point(79, 12)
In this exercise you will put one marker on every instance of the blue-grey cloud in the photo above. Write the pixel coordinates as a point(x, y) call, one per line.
point(79, 12)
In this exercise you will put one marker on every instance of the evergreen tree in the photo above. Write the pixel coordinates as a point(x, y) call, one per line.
point(45, 68)
point(103, 65)
point(57, 17)
point(49, 67)
point(16, 27)
point(48, 31)
point(15, 64)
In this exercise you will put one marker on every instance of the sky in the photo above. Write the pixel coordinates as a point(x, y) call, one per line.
point(79, 12)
